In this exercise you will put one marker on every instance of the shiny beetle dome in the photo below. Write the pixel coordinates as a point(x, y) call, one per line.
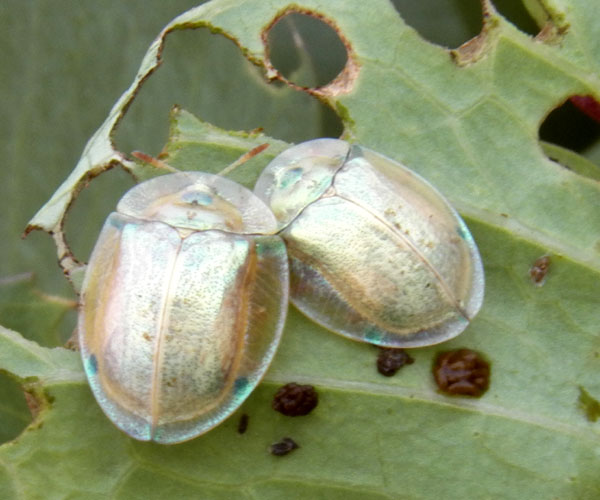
point(182, 305)
point(376, 253)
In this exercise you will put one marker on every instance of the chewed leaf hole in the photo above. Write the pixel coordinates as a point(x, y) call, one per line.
point(15, 414)
point(570, 135)
point(208, 75)
point(306, 50)
point(517, 14)
point(569, 126)
point(90, 209)
point(449, 23)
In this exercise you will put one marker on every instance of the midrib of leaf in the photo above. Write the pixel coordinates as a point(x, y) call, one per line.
point(44, 358)
point(434, 398)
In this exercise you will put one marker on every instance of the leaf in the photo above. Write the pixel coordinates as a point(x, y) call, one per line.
point(36, 315)
point(39, 317)
point(569, 159)
point(471, 129)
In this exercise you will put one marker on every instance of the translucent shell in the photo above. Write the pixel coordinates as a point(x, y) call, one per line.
point(182, 305)
point(376, 253)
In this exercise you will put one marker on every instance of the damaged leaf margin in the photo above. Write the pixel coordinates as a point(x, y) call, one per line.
point(36, 368)
point(341, 84)
point(100, 153)
point(463, 141)
point(552, 21)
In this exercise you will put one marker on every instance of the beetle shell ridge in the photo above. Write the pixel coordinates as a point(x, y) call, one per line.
point(182, 306)
point(376, 253)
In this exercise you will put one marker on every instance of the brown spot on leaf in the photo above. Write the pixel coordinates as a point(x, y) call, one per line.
point(243, 423)
point(589, 405)
point(283, 447)
point(35, 403)
point(539, 269)
point(462, 372)
point(389, 360)
point(293, 400)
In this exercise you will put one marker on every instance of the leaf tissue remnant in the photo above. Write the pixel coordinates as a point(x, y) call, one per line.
point(539, 269)
point(293, 400)
point(462, 372)
point(391, 360)
point(589, 405)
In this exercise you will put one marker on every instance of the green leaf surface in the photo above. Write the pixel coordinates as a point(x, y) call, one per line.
point(39, 317)
point(36, 315)
point(471, 130)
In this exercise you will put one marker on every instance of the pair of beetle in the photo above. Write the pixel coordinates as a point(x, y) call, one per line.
point(186, 292)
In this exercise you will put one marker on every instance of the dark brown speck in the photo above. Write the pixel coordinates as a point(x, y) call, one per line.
point(462, 373)
point(243, 423)
point(391, 360)
point(539, 270)
point(283, 447)
point(295, 400)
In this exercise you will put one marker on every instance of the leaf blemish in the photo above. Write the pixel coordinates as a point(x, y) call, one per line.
point(389, 360)
point(589, 405)
point(34, 403)
point(243, 423)
point(283, 447)
point(295, 400)
point(462, 372)
point(539, 269)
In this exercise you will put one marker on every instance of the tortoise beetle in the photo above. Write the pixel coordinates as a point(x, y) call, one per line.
point(376, 253)
point(182, 305)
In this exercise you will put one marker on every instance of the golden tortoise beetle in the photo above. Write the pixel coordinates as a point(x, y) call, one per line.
point(185, 294)
point(182, 305)
point(376, 253)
